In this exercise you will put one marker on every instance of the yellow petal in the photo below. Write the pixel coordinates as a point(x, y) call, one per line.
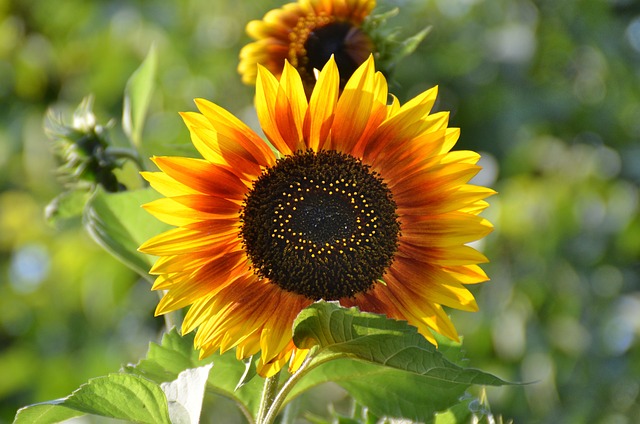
point(353, 110)
point(266, 97)
point(322, 106)
point(291, 108)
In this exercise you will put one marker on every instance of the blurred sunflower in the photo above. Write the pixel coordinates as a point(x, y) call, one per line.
point(362, 202)
point(306, 34)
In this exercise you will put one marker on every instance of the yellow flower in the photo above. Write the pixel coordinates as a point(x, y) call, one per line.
point(306, 34)
point(359, 201)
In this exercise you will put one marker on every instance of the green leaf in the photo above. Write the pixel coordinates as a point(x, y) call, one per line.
point(451, 350)
point(164, 362)
point(118, 223)
point(121, 396)
point(384, 364)
point(66, 206)
point(137, 96)
point(250, 372)
point(460, 413)
point(45, 413)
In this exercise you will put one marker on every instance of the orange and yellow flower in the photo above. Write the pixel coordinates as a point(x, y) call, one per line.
point(354, 200)
point(307, 33)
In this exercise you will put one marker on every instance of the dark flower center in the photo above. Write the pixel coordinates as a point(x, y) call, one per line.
point(322, 225)
point(349, 45)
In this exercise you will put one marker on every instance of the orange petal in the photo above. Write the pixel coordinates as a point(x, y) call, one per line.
point(221, 150)
point(166, 185)
point(433, 284)
point(168, 210)
point(203, 176)
point(354, 107)
point(267, 88)
point(209, 205)
point(181, 240)
point(423, 315)
point(322, 106)
point(449, 229)
point(290, 108)
point(444, 256)
point(231, 128)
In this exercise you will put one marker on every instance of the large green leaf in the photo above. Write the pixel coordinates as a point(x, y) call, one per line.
point(67, 205)
point(45, 413)
point(137, 96)
point(120, 225)
point(460, 413)
point(384, 364)
point(165, 361)
point(121, 396)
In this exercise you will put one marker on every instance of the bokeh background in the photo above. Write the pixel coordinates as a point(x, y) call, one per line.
point(548, 91)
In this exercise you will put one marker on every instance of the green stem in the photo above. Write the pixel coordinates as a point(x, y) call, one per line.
point(277, 402)
point(124, 153)
point(268, 397)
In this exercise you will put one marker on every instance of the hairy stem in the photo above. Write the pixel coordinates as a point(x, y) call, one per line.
point(269, 393)
point(274, 408)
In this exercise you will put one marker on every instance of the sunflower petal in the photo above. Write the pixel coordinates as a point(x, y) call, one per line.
point(166, 185)
point(353, 110)
point(433, 285)
point(203, 176)
point(231, 128)
point(450, 229)
point(267, 88)
point(291, 108)
point(322, 106)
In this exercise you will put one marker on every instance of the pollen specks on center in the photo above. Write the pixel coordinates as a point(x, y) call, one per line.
point(320, 224)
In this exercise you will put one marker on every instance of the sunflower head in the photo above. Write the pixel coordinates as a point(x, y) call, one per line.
point(320, 224)
point(307, 33)
point(359, 201)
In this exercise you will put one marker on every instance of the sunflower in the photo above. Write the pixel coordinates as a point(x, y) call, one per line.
point(357, 201)
point(306, 34)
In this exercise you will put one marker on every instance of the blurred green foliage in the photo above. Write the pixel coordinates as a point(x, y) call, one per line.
point(548, 91)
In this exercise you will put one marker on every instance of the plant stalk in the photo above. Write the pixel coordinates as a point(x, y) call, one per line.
point(269, 393)
point(124, 153)
point(281, 396)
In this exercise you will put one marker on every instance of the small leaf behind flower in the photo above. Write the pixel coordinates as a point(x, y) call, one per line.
point(249, 372)
point(384, 364)
point(137, 97)
point(119, 224)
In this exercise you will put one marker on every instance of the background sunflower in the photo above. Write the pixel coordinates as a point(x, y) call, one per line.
point(548, 91)
point(307, 33)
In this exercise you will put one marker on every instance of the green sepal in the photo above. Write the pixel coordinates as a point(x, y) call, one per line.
point(390, 48)
point(250, 371)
